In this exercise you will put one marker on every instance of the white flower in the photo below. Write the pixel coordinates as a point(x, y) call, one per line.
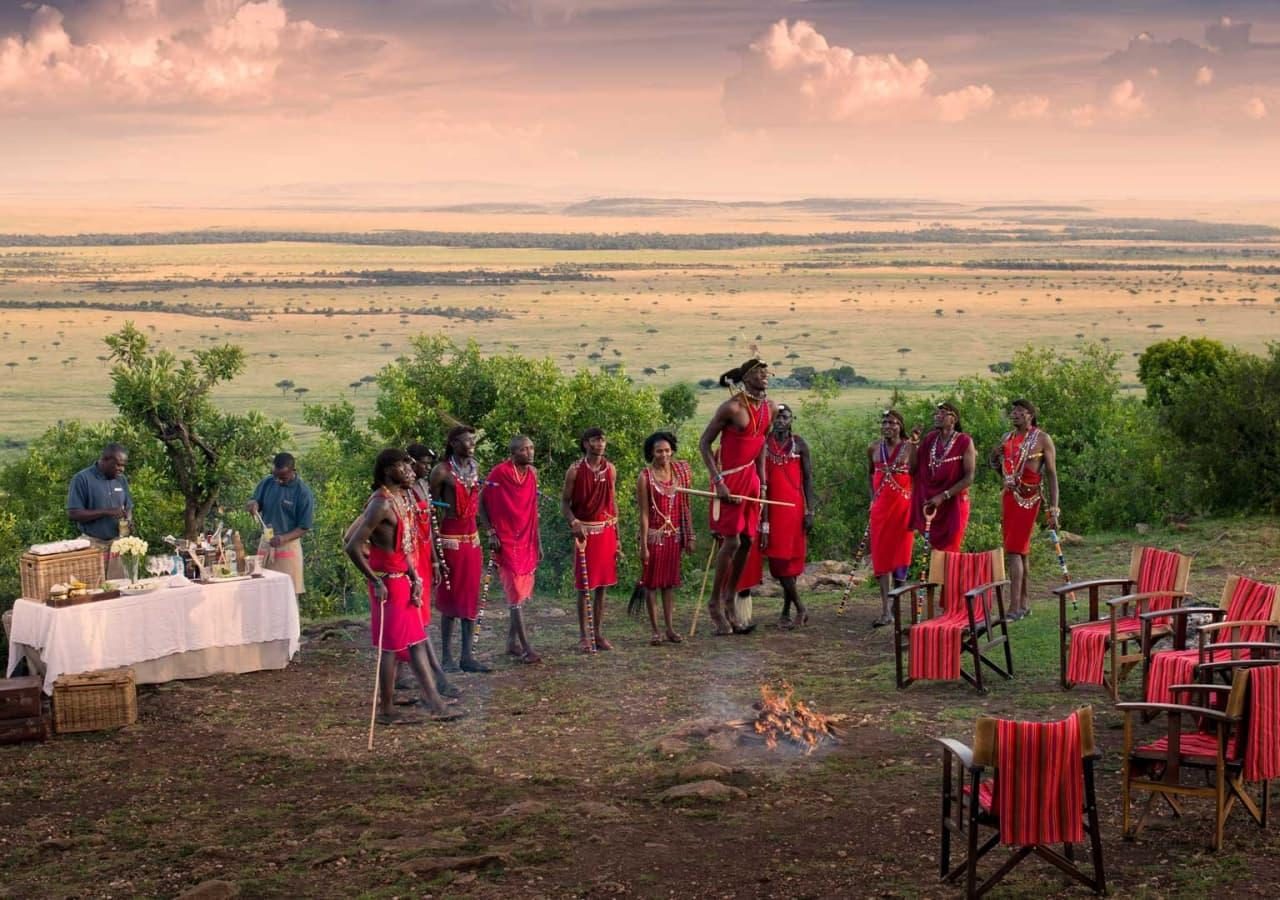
point(129, 546)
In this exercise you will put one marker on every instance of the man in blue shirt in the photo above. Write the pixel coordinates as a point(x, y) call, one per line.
point(287, 507)
point(98, 501)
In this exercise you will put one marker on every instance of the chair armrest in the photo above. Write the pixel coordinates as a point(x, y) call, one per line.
point(1175, 708)
point(1242, 623)
point(983, 588)
point(1229, 665)
point(1202, 688)
point(961, 751)
point(1243, 645)
point(1064, 589)
point(1182, 611)
point(913, 586)
point(1118, 602)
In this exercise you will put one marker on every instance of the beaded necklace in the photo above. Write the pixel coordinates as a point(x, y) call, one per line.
point(466, 478)
point(780, 455)
point(599, 474)
point(937, 458)
point(664, 507)
point(1013, 472)
point(753, 406)
point(403, 510)
point(889, 465)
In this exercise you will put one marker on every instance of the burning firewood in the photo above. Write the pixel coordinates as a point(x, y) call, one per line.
point(780, 716)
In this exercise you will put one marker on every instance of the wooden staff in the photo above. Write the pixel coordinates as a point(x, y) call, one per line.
point(739, 497)
point(584, 591)
point(377, 672)
point(693, 626)
point(862, 548)
point(435, 537)
point(928, 550)
point(484, 593)
point(1062, 563)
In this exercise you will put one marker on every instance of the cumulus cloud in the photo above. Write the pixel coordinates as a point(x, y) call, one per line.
point(1255, 109)
point(1204, 76)
point(236, 52)
point(1029, 108)
point(1125, 101)
point(791, 74)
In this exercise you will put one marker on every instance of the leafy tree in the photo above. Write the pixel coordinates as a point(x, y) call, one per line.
point(1166, 364)
point(679, 403)
point(205, 449)
point(285, 386)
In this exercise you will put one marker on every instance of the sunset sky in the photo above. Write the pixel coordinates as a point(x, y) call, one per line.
point(445, 101)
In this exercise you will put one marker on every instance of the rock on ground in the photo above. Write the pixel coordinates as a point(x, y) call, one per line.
point(703, 791)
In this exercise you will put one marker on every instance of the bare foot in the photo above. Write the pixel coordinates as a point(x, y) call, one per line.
point(585, 645)
point(530, 658)
point(673, 637)
point(602, 643)
point(399, 718)
point(655, 640)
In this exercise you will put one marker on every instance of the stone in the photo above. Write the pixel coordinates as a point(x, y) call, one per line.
point(434, 865)
point(1142, 528)
point(702, 791)
point(524, 808)
point(213, 889)
point(722, 740)
point(701, 770)
point(551, 612)
point(671, 746)
point(593, 809)
point(1070, 539)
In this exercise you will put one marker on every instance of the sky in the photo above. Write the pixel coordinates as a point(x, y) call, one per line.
point(448, 101)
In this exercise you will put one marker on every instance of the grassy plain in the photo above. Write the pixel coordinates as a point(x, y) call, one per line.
point(910, 315)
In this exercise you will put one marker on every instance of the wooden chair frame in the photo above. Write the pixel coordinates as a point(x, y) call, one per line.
point(1218, 626)
point(1223, 773)
point(1120, 643)
point(979, 636)
point(962, 814)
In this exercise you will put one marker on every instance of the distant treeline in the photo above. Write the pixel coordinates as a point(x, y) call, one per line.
point(1035, 265)
point(350, 279)
point(1175, 230)
point(247, 313)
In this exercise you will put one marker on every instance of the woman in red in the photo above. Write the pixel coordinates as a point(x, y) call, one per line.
point(784, 528)
point(890, 462)
point(945, 465)
point(666, 528)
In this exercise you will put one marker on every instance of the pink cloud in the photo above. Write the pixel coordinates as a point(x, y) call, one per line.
point(1255, 109)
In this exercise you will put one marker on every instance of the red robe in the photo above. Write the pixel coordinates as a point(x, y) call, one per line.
point(891, 534)
point(460, 543)
point(594, 504)
point(511, 505)
point(403, 626)
point(1021, 505)
point(426, 553)
point(784, 472)
point(937, 468)
point(670, 527)
point(736, 459)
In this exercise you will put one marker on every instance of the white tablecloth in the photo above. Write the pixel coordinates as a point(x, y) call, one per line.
point(128, 630)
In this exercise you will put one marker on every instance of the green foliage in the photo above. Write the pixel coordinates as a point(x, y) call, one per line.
point(1165, 365)
point(679, 403)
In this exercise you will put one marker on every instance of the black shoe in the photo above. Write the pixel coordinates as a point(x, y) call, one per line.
point(474, 665)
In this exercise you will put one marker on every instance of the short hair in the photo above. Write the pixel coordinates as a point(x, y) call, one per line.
point(456, 432)
point(283, 461)
point(782, 407)
point(896, 416)
point(420, 451)
point(735, 376)
point(113, 448)
point(592, 432)
point(517, 441)
point(386, 460)
point(948, 407)
point(1028, 406)
point(651, 443)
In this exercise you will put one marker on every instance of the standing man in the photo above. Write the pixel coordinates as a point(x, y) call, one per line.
point(423, 458)
point(666, 528)
point(99, 502)
point(889, 464)
point(589, 503)
point(456, 483)
point(784, 529)
point(1027, 461)
point(395, 589)
point(287, 507)
point(509, 507)
point(737, 469)
point(946, 462)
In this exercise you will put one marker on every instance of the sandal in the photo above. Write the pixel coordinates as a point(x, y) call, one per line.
point(674, 638)
point(530, 658)
point(655, 640)
point(602, 643)
point(585, 645)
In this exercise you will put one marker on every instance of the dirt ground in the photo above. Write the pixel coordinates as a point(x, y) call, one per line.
point(261, 783)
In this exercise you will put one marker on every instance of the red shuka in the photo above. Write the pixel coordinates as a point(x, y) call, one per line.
point(891, 534)
point(785, 483)
point(736, 459)
point(403, 627)
point(938, 466)
point(670, 527)
point(1039, 782)
point(1020, 505)
point(511, 504)
point(426, 552)
point(460, 544)
point(593, 503)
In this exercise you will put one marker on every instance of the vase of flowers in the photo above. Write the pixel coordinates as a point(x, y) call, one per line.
point(130, 550)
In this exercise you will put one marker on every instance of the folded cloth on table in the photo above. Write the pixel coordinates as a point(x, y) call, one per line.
point(59, 547)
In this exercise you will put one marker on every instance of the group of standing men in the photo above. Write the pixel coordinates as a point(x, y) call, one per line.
point(922, 484)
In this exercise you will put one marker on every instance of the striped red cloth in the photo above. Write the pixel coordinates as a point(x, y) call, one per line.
point(1251, 600)
point(1039, 782)
point(986, 794)
point(1157, 571)
point(1262, 749)
point(935, 644)
point(1192, 743)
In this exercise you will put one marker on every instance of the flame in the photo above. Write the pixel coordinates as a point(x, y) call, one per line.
point(782, 716)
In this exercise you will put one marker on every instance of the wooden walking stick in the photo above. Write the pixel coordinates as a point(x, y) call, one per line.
point(484, 594)
point(377, 672)
point(860, 552)
point(1062, 563)
point(741, 498)
point(693, 626)
point(584, 593)
point(439, 545)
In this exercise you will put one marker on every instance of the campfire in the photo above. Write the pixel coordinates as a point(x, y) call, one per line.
point(780, 716)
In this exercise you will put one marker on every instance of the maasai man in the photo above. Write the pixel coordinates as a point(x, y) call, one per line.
point(784, 529)
point(287, 507)
point(509, 508)
point(423, 458)
point(590, 505)
point(387, 532)
point(890, 462)
point(946, 462)
point(1027, 461)
point(736, 468)
point(666, 528)
point(456, 482)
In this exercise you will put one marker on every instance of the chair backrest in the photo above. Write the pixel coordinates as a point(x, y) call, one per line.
point(1039, 785)
point(1246, 600)
point(1151, 569)
point(961, 572)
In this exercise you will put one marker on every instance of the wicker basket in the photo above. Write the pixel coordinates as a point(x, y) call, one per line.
point(94, 701)
point(39, 573)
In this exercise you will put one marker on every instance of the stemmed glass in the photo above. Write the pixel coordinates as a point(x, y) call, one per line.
point(157, 565)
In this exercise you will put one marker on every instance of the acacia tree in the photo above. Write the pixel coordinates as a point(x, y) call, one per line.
point(205, 448)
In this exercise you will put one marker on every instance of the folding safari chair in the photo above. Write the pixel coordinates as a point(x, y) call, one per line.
point(1039, 793)
point(1233, 740)
point(1157, 581)
point(1244, 626)
point(959, 611)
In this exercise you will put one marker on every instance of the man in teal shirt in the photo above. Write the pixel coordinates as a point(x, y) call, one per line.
point(286, 506)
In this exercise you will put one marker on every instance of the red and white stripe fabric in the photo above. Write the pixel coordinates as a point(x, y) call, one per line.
point(1262, 750)
point(1039, 794)
point(935, 644)
point(1157, 571)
